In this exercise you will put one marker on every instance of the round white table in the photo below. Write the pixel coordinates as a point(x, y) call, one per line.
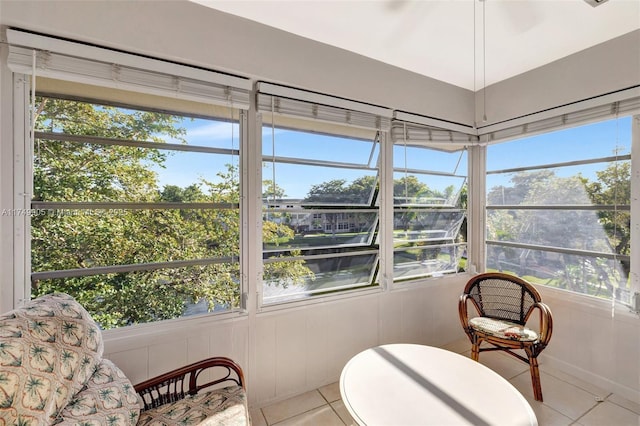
point(404, 384)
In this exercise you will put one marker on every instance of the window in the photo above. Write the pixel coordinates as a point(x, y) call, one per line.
point(131, 186)
point(321, 155)
point(558, 208)
point(429, 197)
point(135, 211)
point(318, 252)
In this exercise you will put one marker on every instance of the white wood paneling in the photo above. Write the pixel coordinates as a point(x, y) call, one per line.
point(590, 343)
point(317, 340)
point(264, 355)
point(167, 355)
point(291, 343)
point(391, 320)
point(300, 349)
point(134, 363)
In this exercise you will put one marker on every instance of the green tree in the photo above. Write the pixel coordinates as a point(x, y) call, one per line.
point(613, 187)
point(462, 204)
point(338, 191)
point(271, 190)
point(515, 194)
point(409, 190)
point(361, 189)
point(330, 192)
point(274, 231)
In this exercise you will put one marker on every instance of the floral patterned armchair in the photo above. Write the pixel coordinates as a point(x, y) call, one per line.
point(52, 373)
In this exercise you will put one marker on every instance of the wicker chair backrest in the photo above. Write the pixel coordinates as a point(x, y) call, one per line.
point(503, 298)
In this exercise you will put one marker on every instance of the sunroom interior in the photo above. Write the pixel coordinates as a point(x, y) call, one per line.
point(262, 181)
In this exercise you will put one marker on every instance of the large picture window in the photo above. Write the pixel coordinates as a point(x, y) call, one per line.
point(135, 212)
point(558, 208)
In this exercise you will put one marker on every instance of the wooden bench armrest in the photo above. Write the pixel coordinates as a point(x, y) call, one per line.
point(176, 384)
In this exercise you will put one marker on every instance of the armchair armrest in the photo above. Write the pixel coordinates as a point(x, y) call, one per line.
point(546, 322)
point(462, 310)
point(176, 384)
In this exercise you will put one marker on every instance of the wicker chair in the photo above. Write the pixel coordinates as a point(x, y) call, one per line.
point(504, 303)
point(173, 395)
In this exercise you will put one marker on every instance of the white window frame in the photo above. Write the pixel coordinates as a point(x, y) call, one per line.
point(420, 133)
point(308, 112)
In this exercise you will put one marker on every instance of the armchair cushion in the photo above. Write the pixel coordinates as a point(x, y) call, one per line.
point(49, 349)
point(503, 329)
point(227, 406)
point(108, 398)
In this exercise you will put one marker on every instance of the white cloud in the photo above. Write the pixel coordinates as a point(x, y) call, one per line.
point(217, 130)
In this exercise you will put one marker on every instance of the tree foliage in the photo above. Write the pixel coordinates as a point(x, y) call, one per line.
point(337, 191)
point(605, 230)
point(613, 187)
point(271, 190)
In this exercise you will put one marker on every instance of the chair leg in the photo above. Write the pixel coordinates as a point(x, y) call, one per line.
point(475, 349)
point(535, 378)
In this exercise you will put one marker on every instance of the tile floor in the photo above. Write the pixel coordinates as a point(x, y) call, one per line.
point(567, 400)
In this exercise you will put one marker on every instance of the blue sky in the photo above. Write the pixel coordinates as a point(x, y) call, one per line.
point(577, 143)
point(584, 142)
point(591, 141)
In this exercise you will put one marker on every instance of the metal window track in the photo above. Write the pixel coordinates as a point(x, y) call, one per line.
point(309, 162)
point(586, 253)
point(596, 207)
point(118, 269)
point(51, 136)
point(565, 164)
point(319, 256)
point(61, 205)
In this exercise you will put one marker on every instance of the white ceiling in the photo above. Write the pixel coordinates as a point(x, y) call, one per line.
point(436, 38)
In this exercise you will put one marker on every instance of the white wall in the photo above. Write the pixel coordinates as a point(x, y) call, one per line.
point(601, 69)
point(592, 343)
point(296, 349)
point(147, 351)
point(300, 349)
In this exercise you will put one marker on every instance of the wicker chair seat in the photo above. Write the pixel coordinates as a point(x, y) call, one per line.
point(503, 329)
point(227, 406)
